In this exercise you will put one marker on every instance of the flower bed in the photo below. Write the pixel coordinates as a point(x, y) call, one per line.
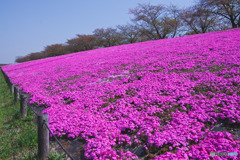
point(163, 95)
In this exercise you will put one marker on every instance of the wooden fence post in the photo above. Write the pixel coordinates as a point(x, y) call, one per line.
point(16, 94)
point(43, 136)
point(23, 105)
point(11, 87)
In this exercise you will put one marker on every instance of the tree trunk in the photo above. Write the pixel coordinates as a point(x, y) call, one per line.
point(234, 25)
point(238, 21)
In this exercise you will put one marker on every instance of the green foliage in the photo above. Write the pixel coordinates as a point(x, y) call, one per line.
point(56, 156)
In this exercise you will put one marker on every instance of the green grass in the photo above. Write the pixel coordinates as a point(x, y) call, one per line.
point(56, 156)
point(18, 136)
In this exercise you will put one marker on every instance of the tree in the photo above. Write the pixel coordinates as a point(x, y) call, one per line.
point(36, 55)
point(29, 57)
point(54, 50)
point(21, 59)
point(198, 19)
point(107, 37)
point(150, 20)
point(129, 33)
point(82, 43)
point(228, 9)
point(172, 19)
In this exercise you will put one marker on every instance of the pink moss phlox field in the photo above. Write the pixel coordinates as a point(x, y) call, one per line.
point(164, 95)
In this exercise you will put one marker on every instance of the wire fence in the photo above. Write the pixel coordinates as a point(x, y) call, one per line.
point(24, 104)
point(56, 139)
point(59, 143)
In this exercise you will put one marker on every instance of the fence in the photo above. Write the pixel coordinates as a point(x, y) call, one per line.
point(42, 120)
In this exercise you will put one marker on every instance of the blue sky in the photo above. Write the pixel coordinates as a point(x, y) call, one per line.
point(28, 26)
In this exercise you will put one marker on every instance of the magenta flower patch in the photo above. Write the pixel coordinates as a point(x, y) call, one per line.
point(162, 96)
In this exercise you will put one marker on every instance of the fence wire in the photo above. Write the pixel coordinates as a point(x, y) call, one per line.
point(59, 143)
point(33, 110)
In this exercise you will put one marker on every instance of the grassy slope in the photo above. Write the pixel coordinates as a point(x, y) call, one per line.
point(18, 137)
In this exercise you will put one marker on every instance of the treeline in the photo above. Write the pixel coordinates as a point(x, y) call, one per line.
point(151, 22)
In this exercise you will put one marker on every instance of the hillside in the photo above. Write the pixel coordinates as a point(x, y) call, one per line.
point(164, 97)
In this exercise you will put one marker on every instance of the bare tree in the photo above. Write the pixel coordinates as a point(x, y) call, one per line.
point(36, 55)
point(54, 50)
point(149, 19)
point(129, 33)
point(81, 43)
point(172, 19)
point(22, 59)
point(107, 37)
point(228, 9)
point(29, 57)
point(198, 19)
